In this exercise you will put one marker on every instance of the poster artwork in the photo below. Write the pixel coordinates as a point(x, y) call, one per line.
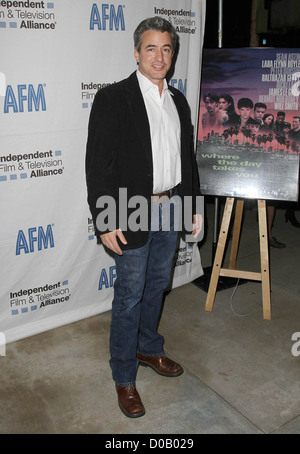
point(248, 142)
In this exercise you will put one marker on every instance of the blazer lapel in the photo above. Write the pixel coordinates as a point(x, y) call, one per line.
point(181, 114)
point(139, 115)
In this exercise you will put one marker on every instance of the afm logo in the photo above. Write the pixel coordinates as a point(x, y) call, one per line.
point(107, 278)
point(109, 19)
point(180, 84)
point(34, 239)
point(24, 96)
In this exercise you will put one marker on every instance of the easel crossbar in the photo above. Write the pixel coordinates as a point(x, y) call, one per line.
point(241, 274)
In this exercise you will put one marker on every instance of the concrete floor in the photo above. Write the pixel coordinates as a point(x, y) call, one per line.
point(240, 374)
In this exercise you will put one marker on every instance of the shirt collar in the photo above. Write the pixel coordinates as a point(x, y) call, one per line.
point(146, 84)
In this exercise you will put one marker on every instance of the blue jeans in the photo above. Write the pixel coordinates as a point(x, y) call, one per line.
point(143, 275)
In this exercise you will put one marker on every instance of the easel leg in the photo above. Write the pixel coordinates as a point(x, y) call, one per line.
point(263, 276)
point(219, 254)
point(264, 259)
point(236, 233)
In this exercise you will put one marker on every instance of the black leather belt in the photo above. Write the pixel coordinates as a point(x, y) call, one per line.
point(169, 193)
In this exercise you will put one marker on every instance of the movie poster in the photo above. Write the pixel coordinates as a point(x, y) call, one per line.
point(249, 123)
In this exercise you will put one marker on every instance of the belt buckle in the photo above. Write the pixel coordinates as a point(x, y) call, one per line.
point(164, 197)
point(161, 198)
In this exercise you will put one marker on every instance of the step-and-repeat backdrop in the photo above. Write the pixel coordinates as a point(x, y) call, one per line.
point(55, 55)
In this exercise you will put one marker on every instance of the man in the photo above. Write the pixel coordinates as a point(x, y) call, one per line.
point(245, 106)
point(279, 123)
point(213, 119)
point(259, 111)
point(140, 139)
point(294, 134)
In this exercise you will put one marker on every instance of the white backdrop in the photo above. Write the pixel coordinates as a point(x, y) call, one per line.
point(54, 56)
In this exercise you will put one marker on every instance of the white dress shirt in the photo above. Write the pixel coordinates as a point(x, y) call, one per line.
point(165, 134)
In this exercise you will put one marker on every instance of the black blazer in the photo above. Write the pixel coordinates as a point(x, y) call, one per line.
point(119, 151)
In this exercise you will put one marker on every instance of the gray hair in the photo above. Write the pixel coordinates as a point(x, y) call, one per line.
point(154, 23)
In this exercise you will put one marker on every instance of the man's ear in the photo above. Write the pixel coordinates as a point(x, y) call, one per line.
point(136, 55)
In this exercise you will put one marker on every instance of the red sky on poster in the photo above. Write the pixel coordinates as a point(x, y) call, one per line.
point(264, 75)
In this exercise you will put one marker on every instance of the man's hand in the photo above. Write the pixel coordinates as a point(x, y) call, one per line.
point(197, 224)
point(110, 240)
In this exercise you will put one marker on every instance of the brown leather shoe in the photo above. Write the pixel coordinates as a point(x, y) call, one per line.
point(161, 364)
point(129, 401)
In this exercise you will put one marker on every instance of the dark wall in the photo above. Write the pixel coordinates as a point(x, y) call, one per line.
point(236, 23)
point(282, 27)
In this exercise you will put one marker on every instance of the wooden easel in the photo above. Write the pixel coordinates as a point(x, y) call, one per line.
point(217, 270)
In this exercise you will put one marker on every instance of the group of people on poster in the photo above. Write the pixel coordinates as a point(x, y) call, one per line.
point(254, 123)
point(253, 120)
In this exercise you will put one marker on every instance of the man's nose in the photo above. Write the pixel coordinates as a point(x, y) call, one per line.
point(159, 54)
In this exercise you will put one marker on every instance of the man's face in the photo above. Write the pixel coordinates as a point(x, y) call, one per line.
point(296, 123)
point(259, 113)
point(211, 106)
point(280, 118)
point(245, 113)
point(155, 56)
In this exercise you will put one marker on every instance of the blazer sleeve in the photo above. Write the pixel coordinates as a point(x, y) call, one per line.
point(192, 168)
point(101, 149)
point(195, 176)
